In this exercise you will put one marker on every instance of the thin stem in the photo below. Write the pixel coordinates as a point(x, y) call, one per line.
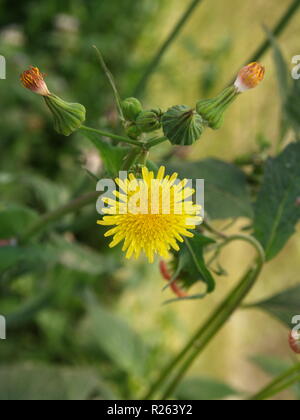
point(160, 53)
point(120, 139)
point(283, 381)
point(247, 238)
point(52, 216)
point(210, 328)
point(111, 81)
point(212, 230)
point(276, 31)
point(155, 142)
point(213, 325)
point(143, 157)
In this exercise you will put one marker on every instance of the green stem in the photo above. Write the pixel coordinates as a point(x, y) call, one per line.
point(212, 230)
point(120, 139)
point(276, 31)
point(160, 53)
point(111, 81)
point(143, 157)
point(282, 382)
point(214, 324)
point(155, 142)
point(131, 158)
point(52, 216)
point(210, 328)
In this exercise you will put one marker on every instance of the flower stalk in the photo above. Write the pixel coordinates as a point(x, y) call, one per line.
point(211, 327)
point(120, 139)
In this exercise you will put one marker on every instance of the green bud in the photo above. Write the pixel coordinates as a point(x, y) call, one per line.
point(212, 110)
point(131, 108)
point(133, 131)
point(182, 125)
point(149, 121)
point(68, 117)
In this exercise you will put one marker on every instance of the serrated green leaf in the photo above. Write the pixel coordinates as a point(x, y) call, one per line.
point(276, 209)
point(203, 389)
point(226, 191)
point(192, 264)
point(283, 306)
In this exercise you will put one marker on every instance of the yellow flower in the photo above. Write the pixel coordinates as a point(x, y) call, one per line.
point(150, 214)
point(33, 80)
point(249, 77)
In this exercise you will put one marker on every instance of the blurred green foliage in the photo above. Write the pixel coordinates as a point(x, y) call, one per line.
point(42, 286)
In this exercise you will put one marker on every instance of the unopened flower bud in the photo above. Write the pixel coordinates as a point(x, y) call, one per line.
point(33, 80)
point(212, 110)
point(133, 131)
point(249, 77)
point(182, 125)
point(68, 117)
point(149, 121)
point(131, 108)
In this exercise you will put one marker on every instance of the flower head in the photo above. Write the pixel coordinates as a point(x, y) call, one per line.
point(33, 80)
point(249, 77)
point(151, 214)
